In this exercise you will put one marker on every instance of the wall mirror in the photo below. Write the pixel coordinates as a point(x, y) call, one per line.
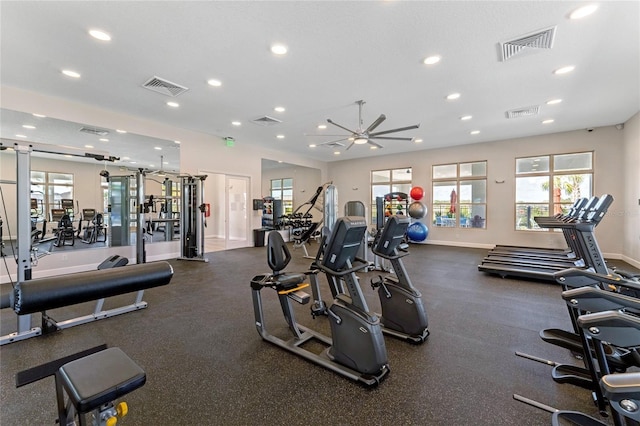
point(77, 185)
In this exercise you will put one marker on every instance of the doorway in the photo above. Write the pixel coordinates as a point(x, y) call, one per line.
point(228, 224)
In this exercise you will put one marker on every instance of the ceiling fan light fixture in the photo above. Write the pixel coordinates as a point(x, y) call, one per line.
point(360, 141)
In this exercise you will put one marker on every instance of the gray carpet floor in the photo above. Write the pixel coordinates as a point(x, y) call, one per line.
point(206, 365)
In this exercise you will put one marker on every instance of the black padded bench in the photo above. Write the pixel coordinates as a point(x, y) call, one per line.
point(96, 380)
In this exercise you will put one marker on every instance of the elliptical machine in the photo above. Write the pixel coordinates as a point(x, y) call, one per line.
point(356, 349)
point(403, 314)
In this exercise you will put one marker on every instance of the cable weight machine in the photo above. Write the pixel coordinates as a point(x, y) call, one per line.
point(192, 218)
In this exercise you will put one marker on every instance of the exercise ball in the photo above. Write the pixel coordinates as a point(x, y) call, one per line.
point(417, 231)
point(417, 193)
point(417, 210)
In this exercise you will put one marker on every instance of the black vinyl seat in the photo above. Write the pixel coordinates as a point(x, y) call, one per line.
point(278, 257)
point(66, 234)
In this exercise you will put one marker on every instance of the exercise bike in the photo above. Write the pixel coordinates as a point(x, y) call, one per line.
point(356, 349)
point(403, 314)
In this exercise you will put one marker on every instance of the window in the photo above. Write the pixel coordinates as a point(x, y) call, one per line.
point(550, 184)
point(385, 182)
point(49, 189)
point(460, 195)
point(282, 189)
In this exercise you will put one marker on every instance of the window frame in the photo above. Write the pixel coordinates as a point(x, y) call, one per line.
point(551, 176)
point(458, 222)
point(390, 183)
point(278, 193)
point(48, 186)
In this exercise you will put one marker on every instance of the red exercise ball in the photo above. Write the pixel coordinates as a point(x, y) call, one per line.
point(417, 193)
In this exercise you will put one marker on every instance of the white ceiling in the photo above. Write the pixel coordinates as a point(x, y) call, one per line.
point(339, 52)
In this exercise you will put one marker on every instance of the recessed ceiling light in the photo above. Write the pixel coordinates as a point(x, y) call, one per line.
point(88, 146)
point(100, 35)
point(236, 123)
point(564, 70)
point(280, 161)
point(39, 115)
point(152, 165)
point(280, 136)
point(583, 11)
point(279, 109)
point(554, 101)
point(432, 60)
point(549, 121)
point(373, 147)
point(28, 126)
point(453, 96)
point(173, 104)
point(336, 152)
point(104, 140)
point(279, 49)
point(121, 131)
point(68, 155)
point(312, 145)
point(157, 148)
point(133, 162)
point(126, 158)
point(474, 132)
point(322, 126)
point(466, 117)
point(417, 140)
point(213, 82)
point(20, 136)
point(177, 142)
point(70, 73)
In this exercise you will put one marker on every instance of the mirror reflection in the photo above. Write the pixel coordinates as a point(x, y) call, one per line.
point(78, 203)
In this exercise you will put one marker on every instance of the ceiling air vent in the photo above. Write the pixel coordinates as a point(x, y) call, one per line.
point(523, 112)
point(94, 131)
point(333, 144)
point(163, 86)
point(266, 121)
point(539, 40)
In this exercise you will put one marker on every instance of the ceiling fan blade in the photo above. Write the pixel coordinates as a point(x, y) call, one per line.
point(399, 129)
point(342, 127)
point(374, 144)
point(376, 123)
point(350, 145)
point(389, 138)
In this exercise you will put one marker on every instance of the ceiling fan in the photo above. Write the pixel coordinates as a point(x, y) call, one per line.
point(160, 172)
point(363, 136)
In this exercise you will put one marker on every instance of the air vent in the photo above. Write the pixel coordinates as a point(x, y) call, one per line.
point(538, 40)
point(163, 86)
point(333, 144)
point(94, 131)
point(266, 121)
point(523, 112)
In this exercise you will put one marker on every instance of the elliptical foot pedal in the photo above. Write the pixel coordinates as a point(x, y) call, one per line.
point(577, 376)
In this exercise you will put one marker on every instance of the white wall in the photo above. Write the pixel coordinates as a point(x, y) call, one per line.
point(631, 212)
point(352, 180)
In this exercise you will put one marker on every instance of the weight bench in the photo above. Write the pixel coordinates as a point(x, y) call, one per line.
point(91, 380)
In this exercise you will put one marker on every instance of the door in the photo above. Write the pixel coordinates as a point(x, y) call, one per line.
point(237, 214)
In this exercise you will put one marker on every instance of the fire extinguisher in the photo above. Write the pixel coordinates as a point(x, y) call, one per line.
point(207, 210)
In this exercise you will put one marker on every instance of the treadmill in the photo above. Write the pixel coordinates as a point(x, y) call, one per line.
point(578, 211)
point(580, 232)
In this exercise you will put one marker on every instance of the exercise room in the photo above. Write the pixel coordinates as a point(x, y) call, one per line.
point(259, 212)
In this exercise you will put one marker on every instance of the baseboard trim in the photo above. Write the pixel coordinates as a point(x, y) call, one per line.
point(458, 244)
point(632, 262)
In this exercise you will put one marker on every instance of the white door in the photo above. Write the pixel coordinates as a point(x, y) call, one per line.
point(237, 213)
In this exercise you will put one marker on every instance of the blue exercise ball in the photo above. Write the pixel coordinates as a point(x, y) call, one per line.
point(417, 231)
